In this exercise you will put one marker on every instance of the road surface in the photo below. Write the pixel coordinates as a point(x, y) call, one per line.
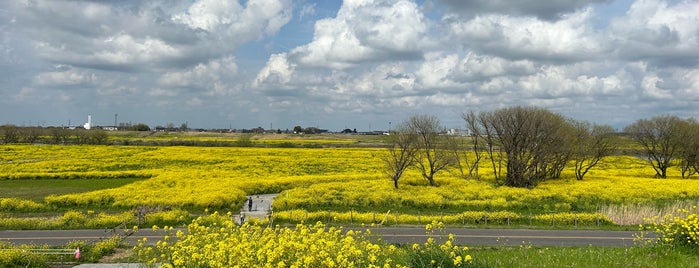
point(403, 235)
point(261, 207)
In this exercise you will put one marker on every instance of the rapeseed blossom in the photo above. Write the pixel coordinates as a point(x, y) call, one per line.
point(680, 229)
point(216, 241)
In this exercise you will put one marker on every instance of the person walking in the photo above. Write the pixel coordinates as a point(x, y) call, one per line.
point(250, 203)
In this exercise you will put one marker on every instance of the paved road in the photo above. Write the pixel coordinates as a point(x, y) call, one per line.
point(261, 205)
point(512, 237)
point(463, 236)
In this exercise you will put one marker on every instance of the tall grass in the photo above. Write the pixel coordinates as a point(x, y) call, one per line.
point(635, 214)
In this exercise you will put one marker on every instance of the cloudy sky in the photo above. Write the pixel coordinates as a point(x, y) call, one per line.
point(343, 64)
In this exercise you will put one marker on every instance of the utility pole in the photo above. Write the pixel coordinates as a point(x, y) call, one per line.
point(115, 121)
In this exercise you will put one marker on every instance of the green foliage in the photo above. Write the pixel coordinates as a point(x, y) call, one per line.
point(581, 257)
point(245, 141)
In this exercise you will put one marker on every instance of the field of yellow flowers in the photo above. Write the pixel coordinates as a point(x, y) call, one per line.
point(330, 184)
point(217, 241)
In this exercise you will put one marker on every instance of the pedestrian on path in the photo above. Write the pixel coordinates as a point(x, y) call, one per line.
point(250, 203)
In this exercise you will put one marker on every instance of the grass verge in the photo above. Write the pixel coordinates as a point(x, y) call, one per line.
point(528, 256)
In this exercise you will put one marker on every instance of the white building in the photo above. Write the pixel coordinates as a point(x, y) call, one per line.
point(88, 125)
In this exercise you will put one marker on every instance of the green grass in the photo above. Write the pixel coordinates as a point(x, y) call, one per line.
point(36, 190)
point(527, 256)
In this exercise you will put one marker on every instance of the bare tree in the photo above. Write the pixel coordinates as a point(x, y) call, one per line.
point(688, 152)
point(469, 154)
point(31, 134)
point(660, 138)
point(431, 156)
point(534, 142)
point(591, 143)
point(97, 136)
point(400, 154)
point(492, 144)
point(59, 135)
point(10, 134)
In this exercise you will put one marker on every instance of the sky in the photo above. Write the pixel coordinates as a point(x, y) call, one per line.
point(358, 64)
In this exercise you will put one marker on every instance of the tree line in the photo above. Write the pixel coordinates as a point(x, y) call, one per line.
point(527, 145)
point(53, 135)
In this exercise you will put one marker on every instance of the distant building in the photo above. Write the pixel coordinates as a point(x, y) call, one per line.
point(88, 125)
point(458, 132)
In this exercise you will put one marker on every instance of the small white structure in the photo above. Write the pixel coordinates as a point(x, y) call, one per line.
point(459, 132)
point(88, 125)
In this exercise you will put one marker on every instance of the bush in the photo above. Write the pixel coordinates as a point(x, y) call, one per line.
point(431, 254)
point(172, 217)
point(92, 253)
point(11, 256)
point(17, 205)
point(73, 219)
point(675, 231)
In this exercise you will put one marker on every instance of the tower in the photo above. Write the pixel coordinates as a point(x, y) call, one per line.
point(88, 125)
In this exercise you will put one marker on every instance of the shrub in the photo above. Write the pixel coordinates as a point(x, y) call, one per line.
point(432, 254)
point(172, 217)
point(676, 231)
point(11, 256)
point(73, 219)
point(20, 205)
point(92, 253)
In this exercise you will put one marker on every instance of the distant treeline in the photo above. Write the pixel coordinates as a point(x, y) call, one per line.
point(11, 134)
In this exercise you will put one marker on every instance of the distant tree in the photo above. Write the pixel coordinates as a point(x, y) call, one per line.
point(139, 127)
point(688, 152)
point(311, 130)
point(660, 137)
point(400, 153)
point(97, 136)
point(533, 141)
point(432, 155)
point(59, 135)
point(298, 129)
point(245, 140)
point(184, 127)
point(591, 143)
point(10, 134)
point(81, 136)
point(31, 134)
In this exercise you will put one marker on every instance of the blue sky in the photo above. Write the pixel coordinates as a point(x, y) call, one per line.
point(343, 64)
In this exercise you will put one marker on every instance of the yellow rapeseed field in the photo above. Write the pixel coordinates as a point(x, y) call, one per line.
point(337, 180)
